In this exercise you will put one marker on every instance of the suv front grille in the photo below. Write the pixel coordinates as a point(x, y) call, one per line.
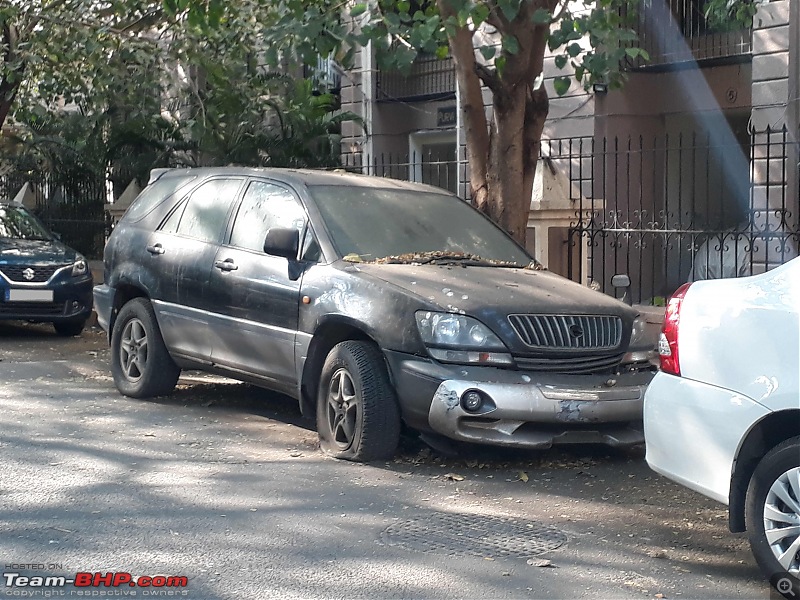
point(40, 273)
point(565, 332)
point(582, 365)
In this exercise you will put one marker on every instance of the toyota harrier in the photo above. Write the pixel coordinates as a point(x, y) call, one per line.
point(374, 303)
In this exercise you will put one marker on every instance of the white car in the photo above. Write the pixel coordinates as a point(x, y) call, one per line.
point(722, 417)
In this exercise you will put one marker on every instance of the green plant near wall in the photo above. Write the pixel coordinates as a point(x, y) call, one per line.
point(730, 15)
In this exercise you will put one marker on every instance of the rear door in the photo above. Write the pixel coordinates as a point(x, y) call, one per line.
point(184, 247)
point(257, 294)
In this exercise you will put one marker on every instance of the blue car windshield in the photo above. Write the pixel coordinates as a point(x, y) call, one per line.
point(17, 223)
point(370, 224)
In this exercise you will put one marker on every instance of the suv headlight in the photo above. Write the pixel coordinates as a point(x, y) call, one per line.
point(80, 267)
point(460, 339)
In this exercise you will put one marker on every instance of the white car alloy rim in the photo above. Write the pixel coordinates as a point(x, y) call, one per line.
point(782, 520)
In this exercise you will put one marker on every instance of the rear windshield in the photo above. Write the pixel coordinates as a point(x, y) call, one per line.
point(153, 195)
point(373, 223)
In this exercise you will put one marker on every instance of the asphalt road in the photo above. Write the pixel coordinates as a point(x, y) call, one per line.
point(224, 483)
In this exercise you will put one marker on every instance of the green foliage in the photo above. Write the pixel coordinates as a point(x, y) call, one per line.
point(150, 83)
point(730, 15)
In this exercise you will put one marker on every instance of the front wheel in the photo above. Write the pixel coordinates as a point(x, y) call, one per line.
point(357, 414)
point(772, 513)
point(140, 363)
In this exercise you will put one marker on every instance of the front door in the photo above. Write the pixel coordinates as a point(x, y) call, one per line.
point(257, 294)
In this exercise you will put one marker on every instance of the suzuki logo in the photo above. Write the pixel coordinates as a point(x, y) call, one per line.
point(28, 274)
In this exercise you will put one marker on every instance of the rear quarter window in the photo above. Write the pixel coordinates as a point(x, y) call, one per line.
point(153, 195)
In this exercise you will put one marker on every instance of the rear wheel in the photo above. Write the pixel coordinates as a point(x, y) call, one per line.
point(772, 514)
point(69, 328)
point(140, 363)
point(357, 414)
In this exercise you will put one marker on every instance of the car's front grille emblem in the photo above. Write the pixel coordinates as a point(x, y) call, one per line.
point(28, 274)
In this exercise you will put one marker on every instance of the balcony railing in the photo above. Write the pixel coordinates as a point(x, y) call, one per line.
point(430, 78)
point(676, 31)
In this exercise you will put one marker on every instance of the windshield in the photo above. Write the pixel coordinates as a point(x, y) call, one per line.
point(369, 224)
point(18, 224)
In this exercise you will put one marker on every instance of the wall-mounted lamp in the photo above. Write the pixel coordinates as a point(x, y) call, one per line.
point(600, 88)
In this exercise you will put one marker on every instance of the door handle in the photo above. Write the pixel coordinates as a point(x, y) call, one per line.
point(226, 265)
point(155, 249)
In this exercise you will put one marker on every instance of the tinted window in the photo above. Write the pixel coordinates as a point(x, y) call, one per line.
point(372, 223)
point(263, 207)
point(204, 214)
point(153, 195)
point(18, 224)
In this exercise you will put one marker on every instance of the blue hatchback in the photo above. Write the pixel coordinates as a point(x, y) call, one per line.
point(41, 279)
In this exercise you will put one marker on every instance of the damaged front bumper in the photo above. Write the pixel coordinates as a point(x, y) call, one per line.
point(520, 408)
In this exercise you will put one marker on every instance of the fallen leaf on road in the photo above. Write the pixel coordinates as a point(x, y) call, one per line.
point(296, 454)
point(523, 476)
point(454, 477)
point(540, 562)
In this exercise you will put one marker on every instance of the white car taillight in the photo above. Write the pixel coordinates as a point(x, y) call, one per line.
point(668, 340)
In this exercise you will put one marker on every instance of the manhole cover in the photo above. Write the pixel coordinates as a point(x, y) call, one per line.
point(475, 535)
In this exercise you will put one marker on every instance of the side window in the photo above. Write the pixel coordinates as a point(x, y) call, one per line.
point(202, 216)
point(263, 207)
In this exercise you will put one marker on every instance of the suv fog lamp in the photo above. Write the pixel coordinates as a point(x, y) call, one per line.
point(472, 400)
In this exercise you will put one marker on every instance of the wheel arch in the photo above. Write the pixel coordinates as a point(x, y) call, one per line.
point(331, 332)
point(773, 429)
point(124, 293)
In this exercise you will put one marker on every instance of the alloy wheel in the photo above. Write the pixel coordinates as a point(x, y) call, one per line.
point(133, 349)
point(782, 520)
point(342, 408)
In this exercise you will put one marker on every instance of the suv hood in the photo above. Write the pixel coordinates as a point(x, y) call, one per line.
point(40, 252)
point(476, 289)
point(490, 294)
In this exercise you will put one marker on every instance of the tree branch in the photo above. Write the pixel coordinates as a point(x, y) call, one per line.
point(488, 76)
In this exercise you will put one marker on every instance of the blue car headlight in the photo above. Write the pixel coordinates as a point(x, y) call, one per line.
point(80, 267)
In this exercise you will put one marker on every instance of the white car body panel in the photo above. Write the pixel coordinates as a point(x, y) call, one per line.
point(744, 335)
point(739, 354)
point(693, 432)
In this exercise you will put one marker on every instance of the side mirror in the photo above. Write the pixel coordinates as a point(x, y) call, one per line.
point(622, 281)
point(282, 241)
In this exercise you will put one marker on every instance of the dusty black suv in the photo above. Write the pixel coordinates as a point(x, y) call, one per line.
point(373, 302)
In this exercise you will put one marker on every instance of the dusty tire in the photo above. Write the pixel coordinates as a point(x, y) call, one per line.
point(140, 363)
point(357, 414)
point(775, 489)
point(69, 328)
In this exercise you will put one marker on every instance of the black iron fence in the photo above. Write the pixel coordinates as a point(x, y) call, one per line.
point(664, 210)
point(674, 209)
point(71, 205)
point(431, 168)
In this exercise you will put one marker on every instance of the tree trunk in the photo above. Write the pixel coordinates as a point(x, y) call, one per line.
point(10, 85)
